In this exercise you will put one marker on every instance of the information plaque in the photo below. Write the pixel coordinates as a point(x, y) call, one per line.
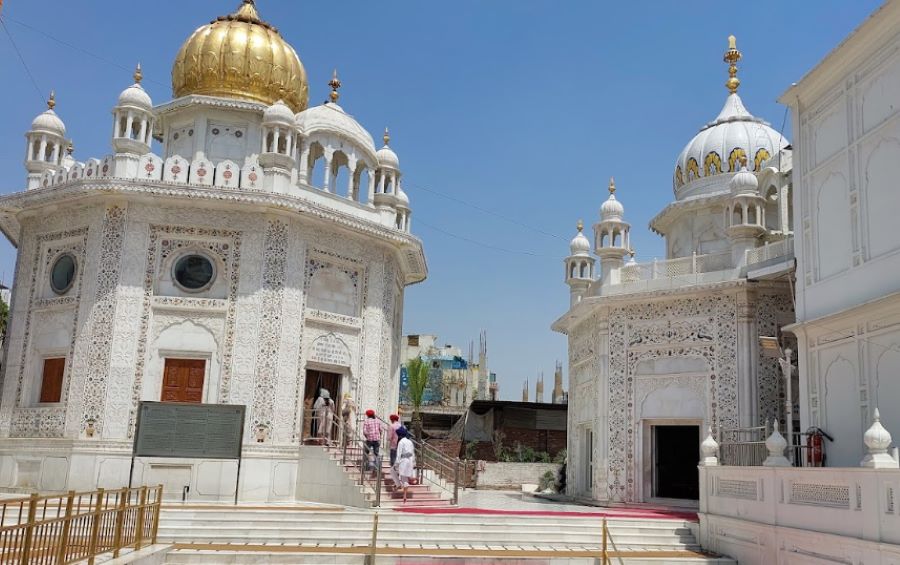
point(175, 429)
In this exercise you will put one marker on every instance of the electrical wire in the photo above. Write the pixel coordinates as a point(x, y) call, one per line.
point(22, 60)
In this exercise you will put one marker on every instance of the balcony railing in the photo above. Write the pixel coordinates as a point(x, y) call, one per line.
point(783, 248)
point(672, 268)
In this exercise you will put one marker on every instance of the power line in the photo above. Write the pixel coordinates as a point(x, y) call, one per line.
point(22, 60)
point(480, 243)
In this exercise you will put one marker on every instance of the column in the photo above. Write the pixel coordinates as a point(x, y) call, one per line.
point(115, 132)
point(42, 148)
point(143, 134)
point(371, 187)
point(265, 138)
point(275, 139)
point(128, 123)
point(289, 146)
point(381, 183)
point(351, 179)
point(56, 147)
point(327, 182)
point(393, 183)
point(304, 165)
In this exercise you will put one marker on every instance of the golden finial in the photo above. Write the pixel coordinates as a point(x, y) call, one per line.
point(334, 83)
point(631, 253)
point(70, 148)
point(51, 102)
point(387, 136)
point(580, 226)
point(732, 56)
point(612, 185)
point(138, 75)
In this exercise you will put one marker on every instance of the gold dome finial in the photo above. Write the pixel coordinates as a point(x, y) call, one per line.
point(70, 148)
point(138, 75)
point(612, 185)
point(387, 136)
point(579, 226)
point(334, 83)
point(51, 102)
point(732, 56)
point(246, 12)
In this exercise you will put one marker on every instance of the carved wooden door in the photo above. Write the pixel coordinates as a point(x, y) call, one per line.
point(183, 380)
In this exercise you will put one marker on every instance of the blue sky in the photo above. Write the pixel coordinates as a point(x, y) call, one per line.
point(509, 117)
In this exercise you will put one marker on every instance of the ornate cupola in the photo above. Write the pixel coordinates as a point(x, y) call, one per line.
point(387, 175)
point(744, 214)
point(45, 144)
point(403, 210)
point(132, 126)
point(279, 139)
point(579, 265)
point(611, 234)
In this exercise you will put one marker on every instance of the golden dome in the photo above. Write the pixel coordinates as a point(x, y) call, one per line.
point(241, 56)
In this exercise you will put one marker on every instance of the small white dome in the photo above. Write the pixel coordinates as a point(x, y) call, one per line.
point(877, 438)
point(402, 198)
point(612, 209)
point(743, 182)
point(331, 118)
point(49, 122)
point(135, 96)
point(386, 156)
point(580, 244)
point(279, 113)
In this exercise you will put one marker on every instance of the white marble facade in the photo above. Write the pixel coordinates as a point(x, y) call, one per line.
point(675, 342)
point(303, 277)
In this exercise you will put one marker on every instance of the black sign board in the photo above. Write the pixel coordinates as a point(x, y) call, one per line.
point(175, 429)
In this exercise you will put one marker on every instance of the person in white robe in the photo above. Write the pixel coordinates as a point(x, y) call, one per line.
point(324, 408)
point(406, 461)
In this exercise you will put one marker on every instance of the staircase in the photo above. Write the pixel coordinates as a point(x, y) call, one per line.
point(290, 535)
point(431, 491)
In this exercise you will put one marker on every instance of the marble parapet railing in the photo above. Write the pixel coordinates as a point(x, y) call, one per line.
point(669, 268)
point(775, 250)
point(855, 502)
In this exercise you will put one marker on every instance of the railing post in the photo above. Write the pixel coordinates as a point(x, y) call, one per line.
point(604, 555)
point(120, 520)
point(378, 462)
point(95, 526)
point(29, 529)
point(370, 558)
point(153, 532)
point(456, 481)
point(64, 535)
point(694, 263)
point(653, 270)
point(139, 521)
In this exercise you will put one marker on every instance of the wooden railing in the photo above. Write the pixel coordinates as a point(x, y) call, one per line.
point(77, 526)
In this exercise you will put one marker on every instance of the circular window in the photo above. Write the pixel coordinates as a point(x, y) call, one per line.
point(194, 272)
point(62, 275)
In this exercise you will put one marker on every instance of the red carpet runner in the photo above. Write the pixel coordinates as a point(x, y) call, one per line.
point(635, 513)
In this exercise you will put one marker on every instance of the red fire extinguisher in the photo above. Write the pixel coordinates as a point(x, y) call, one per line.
point(815, 447)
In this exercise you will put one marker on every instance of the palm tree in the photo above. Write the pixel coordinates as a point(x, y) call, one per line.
point(417, 371)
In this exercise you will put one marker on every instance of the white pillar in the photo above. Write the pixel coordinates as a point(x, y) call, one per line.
point(275, 140)
point(143, 134)
point(381, 182)
point(128, 125)
point(42, 148)
point(327, 183)
point(371, 196)
point(55, 157)
point(304, 165)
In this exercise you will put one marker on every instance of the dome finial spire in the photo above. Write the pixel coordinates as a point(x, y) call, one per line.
point(51, 102)
point(612, 185)
point(387, 136)
point(732, 56)
point(580, 226)
point(138, 74)
point(335, 84)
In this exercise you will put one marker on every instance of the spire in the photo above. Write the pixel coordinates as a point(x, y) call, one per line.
point(612, 185)
point(51, 102)
point(138, 75)
point(732, 56)
point(70, 148)
point(579, 226)
point(335, 84)
point(387, 136)
point(246, 12)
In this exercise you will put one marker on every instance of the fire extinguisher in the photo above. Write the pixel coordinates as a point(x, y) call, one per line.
point(815, 447)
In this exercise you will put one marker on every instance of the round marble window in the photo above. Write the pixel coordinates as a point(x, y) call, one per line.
point(62, 274)
point(194, 272)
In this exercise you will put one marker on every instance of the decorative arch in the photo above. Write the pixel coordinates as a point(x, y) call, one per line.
point(693, 169)
point(679, 177)
point(843, 419)
point(712, 165)
point(762, 155)
point(734, 159)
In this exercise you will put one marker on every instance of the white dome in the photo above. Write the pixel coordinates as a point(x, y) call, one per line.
point(743, 182)
point(48, 121)
point(612, 209)
point(331, 118)
point(720, 145)
point(580, 244)
point(135, 96)
point(402, 198)
point(279, 113)
point(386, 156)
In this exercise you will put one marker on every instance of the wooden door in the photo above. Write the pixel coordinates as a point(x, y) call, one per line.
point(183, 380)
point(52, 379)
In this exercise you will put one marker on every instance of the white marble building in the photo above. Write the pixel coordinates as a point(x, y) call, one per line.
point(257, 253)
point(659, 351)
point(846, 115)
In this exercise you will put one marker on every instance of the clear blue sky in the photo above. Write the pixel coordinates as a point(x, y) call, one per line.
point(518, 107)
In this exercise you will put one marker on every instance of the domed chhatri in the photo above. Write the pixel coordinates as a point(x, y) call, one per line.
point(735, 133)
point(386, 156)
point(135, 96)
point(612, 208)
point(580, 245)
point(48, 121)
point(241, 56)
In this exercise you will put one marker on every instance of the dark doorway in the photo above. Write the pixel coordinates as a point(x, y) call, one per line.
point(676, 450)
point(315, 382)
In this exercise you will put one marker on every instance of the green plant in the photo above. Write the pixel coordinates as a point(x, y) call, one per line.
point(547, 481)
point(417, 370)
point(497, 444)
point(4, 316)
point(470, 449)
point(543, 457)
point(560, 456)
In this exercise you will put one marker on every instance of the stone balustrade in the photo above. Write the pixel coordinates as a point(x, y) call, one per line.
point(768, 251)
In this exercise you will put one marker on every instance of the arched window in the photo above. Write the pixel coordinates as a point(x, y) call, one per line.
point(736, 218)
point(315, 171)
point(751, 214)
point(123, 127)
point(773, 217)
point(340, 174)
point(135, 132)
point(48, 152)
point(361, 183)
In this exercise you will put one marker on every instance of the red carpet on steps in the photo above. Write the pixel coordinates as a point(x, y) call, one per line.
point(634, 513)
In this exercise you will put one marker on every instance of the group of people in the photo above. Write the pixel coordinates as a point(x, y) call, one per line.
point(402, 449)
